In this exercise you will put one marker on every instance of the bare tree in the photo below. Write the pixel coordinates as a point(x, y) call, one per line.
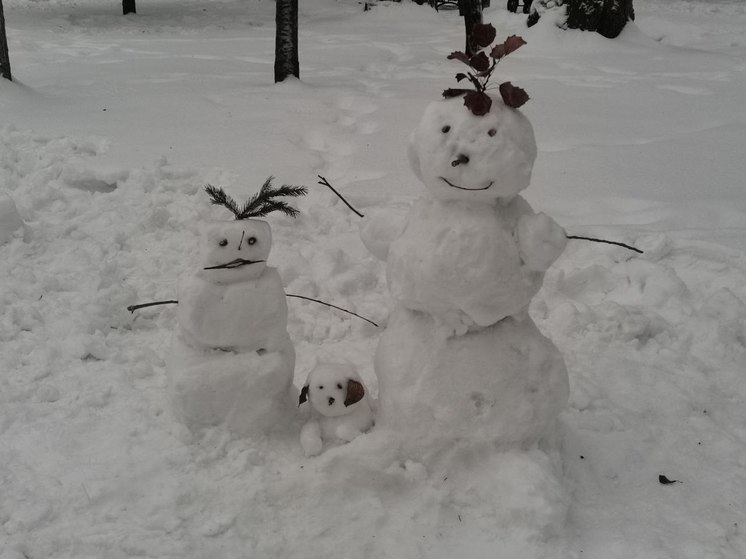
point(471, 10)
point(286, 40)
point(4, 56)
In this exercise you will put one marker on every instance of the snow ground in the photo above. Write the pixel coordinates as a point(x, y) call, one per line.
point(115, 124)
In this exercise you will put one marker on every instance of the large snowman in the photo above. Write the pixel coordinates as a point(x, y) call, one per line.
point(232, 362)
point(461, 363)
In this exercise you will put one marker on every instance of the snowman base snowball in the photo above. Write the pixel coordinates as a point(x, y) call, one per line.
point(503, 385)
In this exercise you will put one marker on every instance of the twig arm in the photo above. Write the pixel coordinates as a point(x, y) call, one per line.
point(332, 306)
point(133, 308)
point(637, 250)
point(325, 182)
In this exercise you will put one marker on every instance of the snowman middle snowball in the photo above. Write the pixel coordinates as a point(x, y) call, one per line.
point(460, 255)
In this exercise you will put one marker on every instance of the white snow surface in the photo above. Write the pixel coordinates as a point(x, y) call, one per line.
point(116, 123)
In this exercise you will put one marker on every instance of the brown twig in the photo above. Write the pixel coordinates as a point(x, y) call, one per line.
point(332, 306)
point(325, 182)
point(133, 308)
point(637, 250)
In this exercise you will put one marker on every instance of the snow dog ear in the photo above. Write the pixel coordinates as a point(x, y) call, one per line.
point(303, 398)
point(355, 392)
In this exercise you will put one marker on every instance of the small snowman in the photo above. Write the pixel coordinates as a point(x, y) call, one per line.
point(461, 362)
point(231, 361)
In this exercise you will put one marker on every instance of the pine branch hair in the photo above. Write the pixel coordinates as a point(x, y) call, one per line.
point(260, 204)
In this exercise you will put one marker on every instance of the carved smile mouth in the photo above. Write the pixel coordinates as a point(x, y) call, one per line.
point(462, 188)
point(237, 263)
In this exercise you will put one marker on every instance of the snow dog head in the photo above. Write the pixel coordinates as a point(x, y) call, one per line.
point(461, 156)
point(333, 389)
point(234, 250)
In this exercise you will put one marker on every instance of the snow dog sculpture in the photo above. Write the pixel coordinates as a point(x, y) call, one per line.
point(341, 407)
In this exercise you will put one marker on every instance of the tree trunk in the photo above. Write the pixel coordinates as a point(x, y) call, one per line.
point(128, 7)
point(4, 56)
point(286, 40)
point(471, 10)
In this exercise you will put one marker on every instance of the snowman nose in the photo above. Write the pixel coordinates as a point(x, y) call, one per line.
point(331, 401)
point(460, 160)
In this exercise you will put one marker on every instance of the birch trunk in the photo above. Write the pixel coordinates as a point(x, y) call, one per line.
point(286, 40)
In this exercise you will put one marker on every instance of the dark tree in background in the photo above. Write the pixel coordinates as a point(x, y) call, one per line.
point(607, 17)
point(286, 40)
point(4, 56)
point(471, 10)
point(128, 7)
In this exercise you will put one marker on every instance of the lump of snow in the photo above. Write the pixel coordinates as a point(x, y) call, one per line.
point(11, 223)
point(75, 175)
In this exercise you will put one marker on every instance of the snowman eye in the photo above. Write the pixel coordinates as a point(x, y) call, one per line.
point(339, 385)
point(445, 129)
point(492, 132)
point(252, 240)
point(321, 387)
point(223, 243)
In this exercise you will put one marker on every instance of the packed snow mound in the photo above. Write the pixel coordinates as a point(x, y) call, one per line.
point(493, 505)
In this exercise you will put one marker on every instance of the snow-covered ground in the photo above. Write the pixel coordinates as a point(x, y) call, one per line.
point(116, 123)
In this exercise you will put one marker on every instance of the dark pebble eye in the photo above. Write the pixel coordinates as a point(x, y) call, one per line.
point(321, 387)
point(445, 129)
point(492, 132)
point(252, 240)
point(339, 386)
point(223, 243)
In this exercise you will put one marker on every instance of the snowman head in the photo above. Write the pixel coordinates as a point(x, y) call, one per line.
point(462, 156)
point(234, 251)
point(334, 389)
